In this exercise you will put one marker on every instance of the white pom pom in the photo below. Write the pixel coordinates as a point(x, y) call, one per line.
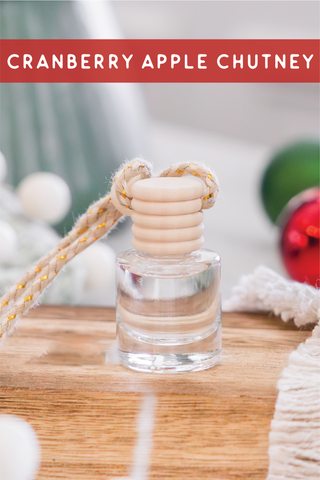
point(19, 449)
point(3, 167)
point(45, 196)
point(8, 242)
point(99, 259)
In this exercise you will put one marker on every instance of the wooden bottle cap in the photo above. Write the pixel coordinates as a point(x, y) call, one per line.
point(166, 215)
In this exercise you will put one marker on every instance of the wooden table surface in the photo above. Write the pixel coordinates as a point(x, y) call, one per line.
point(208, 425)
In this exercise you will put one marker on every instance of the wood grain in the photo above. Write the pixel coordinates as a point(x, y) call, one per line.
point(209, 425)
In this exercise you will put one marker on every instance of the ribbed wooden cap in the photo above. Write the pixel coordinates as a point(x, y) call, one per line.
point(166, 215)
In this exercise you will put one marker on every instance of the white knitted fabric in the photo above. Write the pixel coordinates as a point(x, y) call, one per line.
point(294, 451)
point(267, 291)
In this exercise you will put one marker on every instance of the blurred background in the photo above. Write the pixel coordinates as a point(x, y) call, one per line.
point(62, 142)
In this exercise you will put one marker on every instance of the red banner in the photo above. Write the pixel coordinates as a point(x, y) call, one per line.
point(161, 61)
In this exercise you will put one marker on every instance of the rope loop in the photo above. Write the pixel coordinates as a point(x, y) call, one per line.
point(130, 173)
point(203, 173)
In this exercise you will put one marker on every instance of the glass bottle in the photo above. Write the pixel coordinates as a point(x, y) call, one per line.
point(168, 289)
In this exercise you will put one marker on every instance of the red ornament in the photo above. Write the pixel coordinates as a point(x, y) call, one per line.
point(300, 238)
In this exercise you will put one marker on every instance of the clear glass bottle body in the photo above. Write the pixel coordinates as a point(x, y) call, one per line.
point(168, 311)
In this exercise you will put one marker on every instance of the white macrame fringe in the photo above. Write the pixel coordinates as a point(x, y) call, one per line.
point(294, 450)
point(267, 291)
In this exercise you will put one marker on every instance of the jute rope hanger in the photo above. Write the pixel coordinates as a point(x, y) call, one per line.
point(91, 226)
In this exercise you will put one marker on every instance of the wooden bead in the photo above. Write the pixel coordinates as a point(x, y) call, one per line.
point(167, 235)
point(168, 221)
point(162, 249)
point(167, 189)
point(166, 208)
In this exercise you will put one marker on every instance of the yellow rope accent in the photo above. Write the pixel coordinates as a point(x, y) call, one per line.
point(38, 270)
point(101, 225)
point(203, 173)
point(101, 210)
point(194, 173)
point(124, 193)
point(4, 303)
point(44, 278)
point(11, 318)
point(208, 196)
point(83, 240)
point(20, 286)
point(28, 298)
point(82, 230)
point(61, 257)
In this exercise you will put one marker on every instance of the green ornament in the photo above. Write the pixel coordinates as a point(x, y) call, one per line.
point(292, 170)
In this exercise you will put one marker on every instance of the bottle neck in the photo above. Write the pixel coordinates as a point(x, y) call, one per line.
point(168, 259)
point(147, 256)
